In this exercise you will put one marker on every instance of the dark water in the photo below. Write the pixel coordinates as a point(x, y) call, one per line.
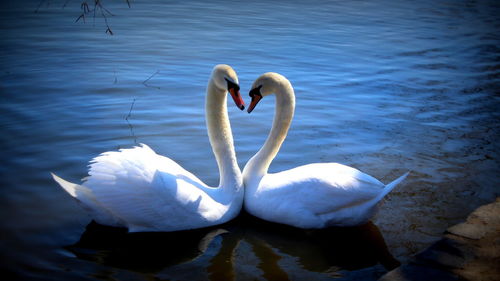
point(382, 86)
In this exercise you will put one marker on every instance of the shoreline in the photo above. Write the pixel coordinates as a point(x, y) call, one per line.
point(467, 251)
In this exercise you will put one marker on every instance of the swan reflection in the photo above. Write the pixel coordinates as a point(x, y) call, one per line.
point(213, 253)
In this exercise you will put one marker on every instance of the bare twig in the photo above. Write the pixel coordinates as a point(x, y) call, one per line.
point(97, 6)
point(82, 16)
point(145, 82)
point(103, 8)
point(130, 111)
point(86, 10)
point(129, 124)
point(132, 131)
point(85, 7)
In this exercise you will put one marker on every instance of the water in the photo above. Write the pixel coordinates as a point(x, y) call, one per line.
point(380, 86)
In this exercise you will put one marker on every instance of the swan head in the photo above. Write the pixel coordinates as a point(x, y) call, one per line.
point(226, 80)
point(265, 85)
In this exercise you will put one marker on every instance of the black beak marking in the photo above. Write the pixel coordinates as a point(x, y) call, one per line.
point(232, 85)
point(255, 91)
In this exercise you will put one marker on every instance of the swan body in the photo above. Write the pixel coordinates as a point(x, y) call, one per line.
point(316, 195)
point(144, 191)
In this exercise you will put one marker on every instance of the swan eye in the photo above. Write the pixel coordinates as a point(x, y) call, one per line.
point(255, 91)
point(234, 90)
point(232, 85)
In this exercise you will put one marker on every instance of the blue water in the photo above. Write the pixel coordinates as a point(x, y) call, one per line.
point(382, 86)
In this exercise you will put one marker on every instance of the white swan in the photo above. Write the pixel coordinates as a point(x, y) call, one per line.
point(144, 191)
point(317, 195)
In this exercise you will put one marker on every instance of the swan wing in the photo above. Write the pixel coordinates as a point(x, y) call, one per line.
point(85, 198)
point(320, 188)
point(147, 191)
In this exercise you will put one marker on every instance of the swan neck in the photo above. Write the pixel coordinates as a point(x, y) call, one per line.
point(221, 138)
point(259, 164)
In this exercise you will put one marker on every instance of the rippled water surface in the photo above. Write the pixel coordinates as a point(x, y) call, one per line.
point(383, 86)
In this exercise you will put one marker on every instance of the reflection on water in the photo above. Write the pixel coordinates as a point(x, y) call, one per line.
point(323, 253)
point(143, 252)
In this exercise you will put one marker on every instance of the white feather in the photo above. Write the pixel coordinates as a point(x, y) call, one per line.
point(144, 191)
point(311, 196)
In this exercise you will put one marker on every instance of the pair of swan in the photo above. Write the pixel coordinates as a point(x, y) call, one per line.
point(144, 191)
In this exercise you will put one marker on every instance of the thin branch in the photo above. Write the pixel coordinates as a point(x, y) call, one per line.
point(98, 3)
point(82, 16)
point(129, 124)
point(104, 8)
point(86, 11)
point(85, 7)
point(130, 111)
point(145, 82)
point(132, 131)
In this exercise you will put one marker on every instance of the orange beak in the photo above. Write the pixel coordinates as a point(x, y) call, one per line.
point(235, 94)
point(254, 102)
point(256, 97)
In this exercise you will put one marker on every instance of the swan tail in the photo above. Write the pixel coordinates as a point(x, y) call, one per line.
point(389, 187)
point(75, 190)
point(87, 200)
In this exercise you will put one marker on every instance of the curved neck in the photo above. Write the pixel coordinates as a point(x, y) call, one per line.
point(221, 138)
point(259, 164)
